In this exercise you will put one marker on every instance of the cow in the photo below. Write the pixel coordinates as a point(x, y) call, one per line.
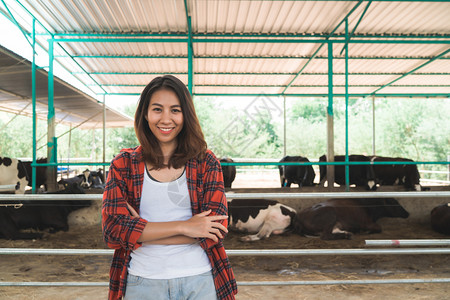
point(40, 215)
point(229, 172)
point(262, 217)
point(300, 175)
point(92, 179)
point(13, 172)
point(41, 172)
point(396, 174)
point(88, 179)
point(440, 218)
point(359, 175)
point(340, 218)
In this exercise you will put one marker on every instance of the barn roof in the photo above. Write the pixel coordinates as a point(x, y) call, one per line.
point(231, 47)
point(71, 105)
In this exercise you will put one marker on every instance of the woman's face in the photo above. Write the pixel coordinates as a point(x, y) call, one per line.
point(165, 117)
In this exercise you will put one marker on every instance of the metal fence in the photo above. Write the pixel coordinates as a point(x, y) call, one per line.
point(255, 252)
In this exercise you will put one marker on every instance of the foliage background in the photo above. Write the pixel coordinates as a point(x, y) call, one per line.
point(253, 127)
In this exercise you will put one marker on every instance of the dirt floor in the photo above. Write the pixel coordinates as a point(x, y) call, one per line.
point(286, 268)
point(21, 268)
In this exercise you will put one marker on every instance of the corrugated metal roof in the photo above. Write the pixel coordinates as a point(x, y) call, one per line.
point(249, 46)
point(72, 107)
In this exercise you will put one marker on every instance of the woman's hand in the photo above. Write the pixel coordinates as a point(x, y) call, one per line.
point(204, 226)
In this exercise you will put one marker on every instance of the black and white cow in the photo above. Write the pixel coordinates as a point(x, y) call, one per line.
point(359, 175)
point(40, 215)
point(340, 218)
point(41, 172)
point(300, 175)
point(88, 179)
point(13, 172)
point(396, 174)
point(261, 217)
point(440, 219)
point(229, 172)
point(92, 179)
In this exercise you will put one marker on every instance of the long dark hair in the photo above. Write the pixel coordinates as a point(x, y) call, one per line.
point(191, 142)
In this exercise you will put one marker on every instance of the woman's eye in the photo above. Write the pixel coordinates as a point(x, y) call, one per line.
point(176, 110)
point(156, 109)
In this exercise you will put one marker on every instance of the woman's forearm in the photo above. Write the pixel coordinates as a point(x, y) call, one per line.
point(199, 226)
point(154, 231)
point(174, 240)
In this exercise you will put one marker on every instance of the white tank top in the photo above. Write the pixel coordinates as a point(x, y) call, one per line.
point(165, 202)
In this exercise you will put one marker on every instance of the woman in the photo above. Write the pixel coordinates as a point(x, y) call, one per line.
point(164, 207)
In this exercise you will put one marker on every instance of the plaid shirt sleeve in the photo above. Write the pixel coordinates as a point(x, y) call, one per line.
point(120, 230)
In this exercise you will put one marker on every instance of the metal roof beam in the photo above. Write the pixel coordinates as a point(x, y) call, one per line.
point(281, 86)
point(246, 57)
point(412, 71)
point(356, 26)
point(309, 95)
point(256, 74)
point(308, 41)
point(320, 47)
point(247, 40)
point(250, 35)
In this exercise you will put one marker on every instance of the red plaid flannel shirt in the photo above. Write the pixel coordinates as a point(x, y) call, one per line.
point(121, 231)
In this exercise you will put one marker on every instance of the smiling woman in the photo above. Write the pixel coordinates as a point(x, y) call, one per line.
point(164, 205)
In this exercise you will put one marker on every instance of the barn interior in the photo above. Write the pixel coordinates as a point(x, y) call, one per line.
point(74, 55)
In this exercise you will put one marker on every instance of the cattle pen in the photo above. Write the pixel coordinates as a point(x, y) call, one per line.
point(266, 76)
point(432, 248)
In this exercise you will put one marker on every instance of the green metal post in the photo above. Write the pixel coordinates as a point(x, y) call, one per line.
point(190, 66)
point(284, 125)
point(104, 129)
point(51, 157)
point(347, 168)
point(33, 97)
point(330, 125)
point(373, 126)
point(190, 51)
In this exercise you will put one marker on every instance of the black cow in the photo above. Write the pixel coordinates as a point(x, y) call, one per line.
point(396, 174)
point(359, 175)
point(340, 218)
point(40, 215)
point(41, 172)
point(229, 172)
point(301, 175)
point(259, 216)
point(440, 219)
point(13, 172)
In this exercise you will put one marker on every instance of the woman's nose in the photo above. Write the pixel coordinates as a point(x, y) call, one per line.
point(165, 116)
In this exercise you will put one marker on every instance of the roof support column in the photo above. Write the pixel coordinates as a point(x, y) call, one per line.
point(104, 132)
point(33, 97)
point(190, 52)
point(347, 169)
point(373, 126)
point(330, 125)
point(284, 125)
point(51, 139)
